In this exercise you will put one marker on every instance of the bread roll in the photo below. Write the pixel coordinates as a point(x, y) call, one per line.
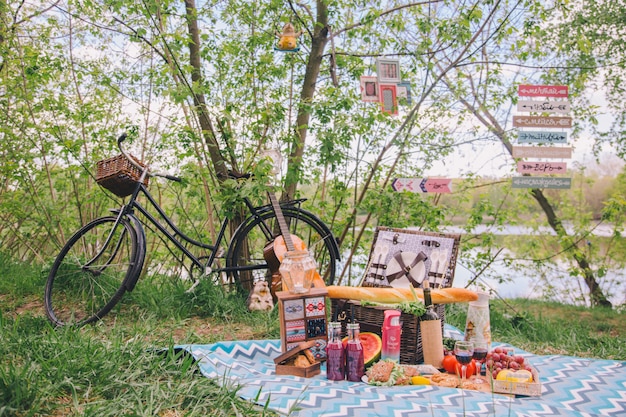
point(398, 295)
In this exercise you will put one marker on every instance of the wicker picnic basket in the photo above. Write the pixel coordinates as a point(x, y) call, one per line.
point(118, 175)
point(431, 265)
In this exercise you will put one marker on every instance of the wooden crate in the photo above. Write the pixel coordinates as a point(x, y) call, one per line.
point(531, 389)
point(284, 364)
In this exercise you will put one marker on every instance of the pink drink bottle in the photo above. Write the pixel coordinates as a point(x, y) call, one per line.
point(355, 365)
point(335, 361)
point(392, 332)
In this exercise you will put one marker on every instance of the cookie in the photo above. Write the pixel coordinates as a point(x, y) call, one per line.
point(470, 385)
point(445, 380)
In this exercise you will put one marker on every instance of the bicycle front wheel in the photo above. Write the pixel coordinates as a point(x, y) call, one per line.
point(88, 276)
point(246, 252)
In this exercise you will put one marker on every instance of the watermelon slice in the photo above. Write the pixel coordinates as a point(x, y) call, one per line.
point(372, 346)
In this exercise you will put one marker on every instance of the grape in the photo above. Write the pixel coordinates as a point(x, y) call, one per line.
point(495, 374)
point(514, 365)
point(498, 350)
point(519, 359)
point(496, 357)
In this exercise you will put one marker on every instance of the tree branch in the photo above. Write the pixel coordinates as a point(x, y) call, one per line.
point(386, 12)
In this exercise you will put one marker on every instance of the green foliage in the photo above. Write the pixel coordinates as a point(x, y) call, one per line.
point(403, 210)
point(75, 84)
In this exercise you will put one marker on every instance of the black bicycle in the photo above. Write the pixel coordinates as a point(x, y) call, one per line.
point(105, 258)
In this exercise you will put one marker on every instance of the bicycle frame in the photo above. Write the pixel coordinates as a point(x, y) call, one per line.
point(178, 237)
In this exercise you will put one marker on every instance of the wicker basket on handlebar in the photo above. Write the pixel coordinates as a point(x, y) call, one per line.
point(118, 175)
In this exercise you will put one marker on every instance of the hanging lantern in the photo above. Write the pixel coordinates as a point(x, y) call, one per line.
point(288, 39)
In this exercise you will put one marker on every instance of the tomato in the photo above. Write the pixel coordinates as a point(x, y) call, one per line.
point(449, 363)
point(452, 366)
point(469, 371)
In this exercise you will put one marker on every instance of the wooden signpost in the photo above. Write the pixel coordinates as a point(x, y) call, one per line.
point(536, 136)
point(544, 106)
point(542, 182)
point(559, 91)
point(542, 152)
point(423, 185)
point(558, 104)
point(524, 167)
point(542, 121)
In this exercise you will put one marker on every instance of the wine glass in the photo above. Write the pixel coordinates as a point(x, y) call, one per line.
point(480, 353)
point(463, 352)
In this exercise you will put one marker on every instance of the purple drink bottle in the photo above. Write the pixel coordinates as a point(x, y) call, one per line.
point(354, 354)
point(335, 358)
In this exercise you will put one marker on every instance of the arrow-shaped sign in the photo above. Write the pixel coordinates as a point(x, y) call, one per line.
point(543, 106)
point(524, 167)
point(541, 121)
point(422, 185)
point(528, 136)
point(525, 90)
point(402, 184)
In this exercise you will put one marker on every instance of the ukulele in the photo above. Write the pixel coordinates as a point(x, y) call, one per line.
point(274, 252)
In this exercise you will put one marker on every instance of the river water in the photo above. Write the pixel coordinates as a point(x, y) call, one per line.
point(551, 282)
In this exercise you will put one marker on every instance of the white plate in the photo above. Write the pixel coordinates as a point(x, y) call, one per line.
point(418, 272)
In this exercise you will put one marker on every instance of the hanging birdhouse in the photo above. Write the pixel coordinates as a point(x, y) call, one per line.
point(288, 39)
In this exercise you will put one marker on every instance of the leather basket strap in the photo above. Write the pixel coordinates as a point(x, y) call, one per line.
point(406, 269)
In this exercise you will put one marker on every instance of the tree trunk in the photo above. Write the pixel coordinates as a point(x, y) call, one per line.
point(199, 101)
point(597, 296)
point(204, 119)
point(314, 63)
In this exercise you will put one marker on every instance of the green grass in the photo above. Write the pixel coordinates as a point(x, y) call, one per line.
point(124, 365)
point(113, 369)
point(548, 328)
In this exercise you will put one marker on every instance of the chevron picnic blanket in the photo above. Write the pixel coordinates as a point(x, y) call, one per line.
point(571, 386)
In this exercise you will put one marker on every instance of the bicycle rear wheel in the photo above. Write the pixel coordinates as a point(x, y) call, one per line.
point(249, 241)
point(89, 275)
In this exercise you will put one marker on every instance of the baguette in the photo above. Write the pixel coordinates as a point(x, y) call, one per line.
point(398, 295)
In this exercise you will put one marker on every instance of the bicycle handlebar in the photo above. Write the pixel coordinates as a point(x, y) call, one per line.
point(121, 139)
